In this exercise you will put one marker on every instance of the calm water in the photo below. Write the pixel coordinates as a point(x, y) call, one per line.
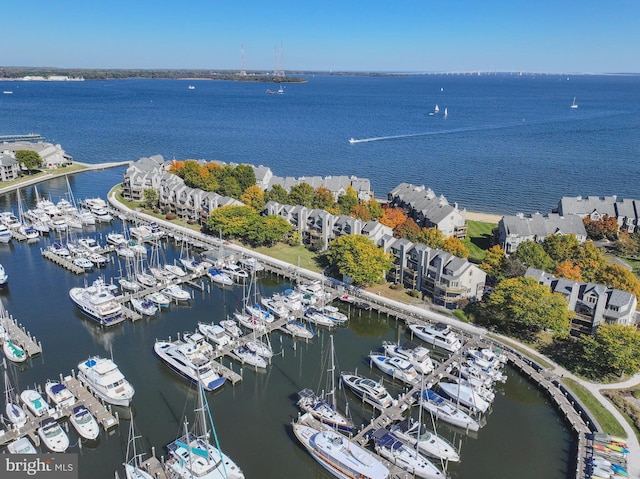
point(509, 144)
point(251, 418)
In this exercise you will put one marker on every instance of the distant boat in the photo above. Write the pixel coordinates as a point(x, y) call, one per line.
point(574, 105)
point(446, 113)
point(8, 92)
point(352, 140)
point(436, 109)
point(191, 87)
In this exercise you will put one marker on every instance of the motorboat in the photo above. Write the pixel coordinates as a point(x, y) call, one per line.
point(144, 306)
point(323, 411)
point(141, 233)
point(146, 279)
point(236, 273)
point(396, 368)
point(13, 352)
point(341, 457)
point(98, 259)
point(193, 456)
point(218, 276)
point(89, 244)
point(446, 411)
point(53, 436)
point(199, 343)
point(10, 220)
point(116, 239)
point(159, 298)
point(128, 284)
point(298, 329)
point(417, 355)
point(102, 215)
point(59, 249)
point(316, 317)
point(397, 452)
point(292, 301)
point(176, 292)
point(175, 270)
point(84, 423)
point(103, 377)
point(4, 277)
point(215, 333)
point(98, 303)
point(83, 263)
point(274, 306)
point(195, 265)
point(250, 357)
point(413, 434)
point(439, 334)
point(36, 403)
point(251, 264)
point(5, 234)
point(334, 314)
point(231, 327)
point(22, 445)
point(59, 394)
point(29, 232)
point(370, 391)
point(123, 251)
point(465, 395)
point(186, 360)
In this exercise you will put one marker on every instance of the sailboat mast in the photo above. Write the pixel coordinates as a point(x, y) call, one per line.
point(333, 374)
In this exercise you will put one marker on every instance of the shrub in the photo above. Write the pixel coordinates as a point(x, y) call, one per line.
point(191, 222)
point(414, 293)
point(396, 286)
point(171, 216)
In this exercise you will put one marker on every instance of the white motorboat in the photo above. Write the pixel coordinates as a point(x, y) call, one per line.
point(251, 264)
point(141, 233)
point(292, 300)
point(334, 314)
point(102, 215)
point(397, 452)
point(128, 284)
point(439, 334)
point(83, 263)
point(341, 457)
point(84, 423)
point(53, 436)
point(276, 307)
point(231, 327)
point(314, 316)
point(13, 352)
point(98, 259)
point(199, 343)
point(159, 299)
point(298, 329)
point(175, 270)
point(98, 303)
point(247, 356)
point(29, 232)
point(22, 445)
point(370, 391)
point(236, 273)
point(195, 265)
point(59, 249)
point(413, 434)
point(446, 411)
point(465, 395)
point(395, 367)
point(4, 277)
point(13, 410)
point(36, 403)
point(193, 456)
point(144, 306)
point(123, 251)
point(417, 355)
point(10, 220)
point(59, 394)
point(103, 377)
point(5, 234)
point(116, 239)
point(218, 276)
point(90, 244)
point(176, 292)
point(215, 333)
point(186, 360)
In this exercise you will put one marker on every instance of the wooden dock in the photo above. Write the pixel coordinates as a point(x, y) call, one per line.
point(64, 262)
point(99, 410)
point(19, 335)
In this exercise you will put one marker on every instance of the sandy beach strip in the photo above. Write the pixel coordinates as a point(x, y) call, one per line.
point(483, 217)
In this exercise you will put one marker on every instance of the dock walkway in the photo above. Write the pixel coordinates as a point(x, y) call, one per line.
point(18, 334)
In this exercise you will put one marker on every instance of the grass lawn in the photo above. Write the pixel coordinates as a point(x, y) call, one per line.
point(295, 255)
point(478, 239)
point(607, 422)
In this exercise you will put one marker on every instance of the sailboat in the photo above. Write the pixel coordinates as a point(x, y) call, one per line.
point(325, 410)
point(133, 465)
point(14, 412)
point(192, 455)
point(446, 113)
point(27, 230)
point(574, 105)
point(436, 109)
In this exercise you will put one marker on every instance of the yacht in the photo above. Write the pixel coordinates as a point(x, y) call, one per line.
point(102, 215)
point(84, 423)
point(371, 392)
point(176, 292)
point(416, 436)
point(186, 360)
point(236, 273)
point(417, 355)
point(396, 368)
point(215, 333)
point(446, 411)
point(53, 436)
point(465, 395)
point(59, 394)
point(439, 334)
point(4, 277)
point(341, 457)
point(102, 376)
point(98, 302)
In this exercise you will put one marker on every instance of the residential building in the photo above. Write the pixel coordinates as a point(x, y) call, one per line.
point(591, 304)
point(9, 167)
point(53, 156)
point(626, 211)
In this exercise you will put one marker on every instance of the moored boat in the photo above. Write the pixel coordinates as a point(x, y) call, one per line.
point(144, 306)
point(53, 436)
point(446, 411)
point(370, 391)
point(176, 292)
point(439, 334)
point(13, 352)
point(416, 435)
point(186, 360)
point(59, 394)
point(36, 403)
point(22, 445)
point(395, 367)
point(105, 379)
point(417, 355)
point(97, 302)
point(159, 299)
point(84, 423)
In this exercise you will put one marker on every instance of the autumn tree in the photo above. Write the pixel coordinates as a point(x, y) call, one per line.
point(561, 247)
point(523, 307)
point(358, 257)
point(323, 198)
point(456, 247)
point(175, 167)
point(614, 349)
point(375, 208)
point(302, 194)
point(533, 255)
point(408, 230)
point(431, 237)
point(493, 262)
point(568, 270)
point(253, 196)
point(605, 227)
point(627, 245)
point(619, 277)
point(348, 200)
point(392, 217)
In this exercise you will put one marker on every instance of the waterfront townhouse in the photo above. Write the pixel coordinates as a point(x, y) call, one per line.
point(513, 230)
point(591, 304)
point(142, 175)
point(626, 211)
point(337, 185)
point(628, 215)
point(9, 167)
point(429, 210)
point(53, 156)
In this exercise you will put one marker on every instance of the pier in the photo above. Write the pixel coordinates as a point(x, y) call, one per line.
point(18, 334)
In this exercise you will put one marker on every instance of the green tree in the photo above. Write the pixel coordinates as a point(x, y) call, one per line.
point(432, 237)
point(532, 254)
point(523, 307)
point(245, 175)
point(268, 231)
point(493, 262)
point(278, 194)
point(229, 186)
point(561, 247)
point(348, 200)
point(232, 221)
point(302, 194)
point(253, 196)
point(323, 198)
point(30, 160)
point(359, 258)
point(150, 197)
point(614, 349)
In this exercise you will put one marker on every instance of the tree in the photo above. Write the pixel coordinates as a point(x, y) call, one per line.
point(150, 197)
point(245, 175)
point(348, 201)
point(267, 230)
point(618, 277)
point(302, 194)
point(392, 217)
point(431, 237)
point(456, 247)
point(359, 258)
point(605, 227)
point(568, 270)
point(561, 247)
point(626, 244)
point(253, 196)
point(493, 262)
point(613, 349)
point(591, 261)
point(232, 221)
point(375, 208)
point(523, 307)
point(361, 212)
point(532, 254)
point(408, 230)
point(323, 198)
point(229, 186)
point(30, 160)
point(278, 194)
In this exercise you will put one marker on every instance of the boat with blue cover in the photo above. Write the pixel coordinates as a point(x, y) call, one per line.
point(98, 303)
point(187, 361)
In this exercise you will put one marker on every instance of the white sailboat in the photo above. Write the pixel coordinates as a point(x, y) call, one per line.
point(133, 465)
point(574, 105)
point(14, 412)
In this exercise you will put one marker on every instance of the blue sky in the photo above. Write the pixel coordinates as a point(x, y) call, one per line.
point(347, 35)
